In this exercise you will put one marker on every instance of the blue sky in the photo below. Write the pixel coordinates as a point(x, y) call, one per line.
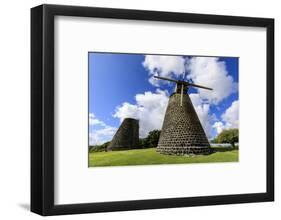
point(122, 85)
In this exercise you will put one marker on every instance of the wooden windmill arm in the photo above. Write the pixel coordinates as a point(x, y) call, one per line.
point(182, 82)
point(164, 78)
point(202, 87)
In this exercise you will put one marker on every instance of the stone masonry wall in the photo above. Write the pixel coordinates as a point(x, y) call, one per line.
point(126, 137)
point(182, 132)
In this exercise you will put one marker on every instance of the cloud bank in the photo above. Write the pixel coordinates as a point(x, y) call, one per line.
point(99, 132)
point(166, 66)
point(149, 109)
point(203, 111)
point(211, 72)
point(230, 118)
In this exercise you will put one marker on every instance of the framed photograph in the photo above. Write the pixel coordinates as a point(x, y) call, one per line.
point(139, 109)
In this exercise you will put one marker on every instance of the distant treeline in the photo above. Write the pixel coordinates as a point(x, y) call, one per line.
point(151, 140)
point(99, 148)
point(230, 136)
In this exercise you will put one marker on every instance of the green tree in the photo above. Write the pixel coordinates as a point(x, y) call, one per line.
point(214, 141)
point(151, 140)
point(143, 143)
point(230, 136)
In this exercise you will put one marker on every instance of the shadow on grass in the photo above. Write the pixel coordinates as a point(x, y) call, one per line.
point(224, 149)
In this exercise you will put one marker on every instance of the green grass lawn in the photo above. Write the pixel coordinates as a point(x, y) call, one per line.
point(150, 156)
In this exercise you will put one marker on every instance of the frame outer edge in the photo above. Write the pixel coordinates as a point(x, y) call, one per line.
point(270, 109)
point(36, 190)
point(48, 102)
point(42, 110)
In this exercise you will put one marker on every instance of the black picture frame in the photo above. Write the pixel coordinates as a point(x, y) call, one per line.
point(42, 109)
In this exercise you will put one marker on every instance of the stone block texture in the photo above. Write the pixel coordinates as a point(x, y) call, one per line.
point(182, 132)
point(126, 137)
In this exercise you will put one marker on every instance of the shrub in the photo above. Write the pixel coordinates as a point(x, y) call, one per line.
point(230, 136)
point(99, 148)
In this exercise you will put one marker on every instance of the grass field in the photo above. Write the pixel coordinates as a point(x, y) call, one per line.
point(150, 156)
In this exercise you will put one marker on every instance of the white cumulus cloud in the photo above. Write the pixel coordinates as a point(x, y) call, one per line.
point(150, 109)
point(231, 115)
point(230, 118)
point(94, 121)
point(203, 111)
point(219, 126)
point(166, 66)
point(100, 132)
point(211, 72)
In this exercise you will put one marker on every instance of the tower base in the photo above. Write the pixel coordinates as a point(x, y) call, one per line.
point(181, 151)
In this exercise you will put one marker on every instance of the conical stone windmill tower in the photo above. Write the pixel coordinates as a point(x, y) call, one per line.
point(182, 132)
point(126, 137)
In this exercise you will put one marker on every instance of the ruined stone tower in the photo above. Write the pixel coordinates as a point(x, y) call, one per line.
point(182, 132)
point(126, 137)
